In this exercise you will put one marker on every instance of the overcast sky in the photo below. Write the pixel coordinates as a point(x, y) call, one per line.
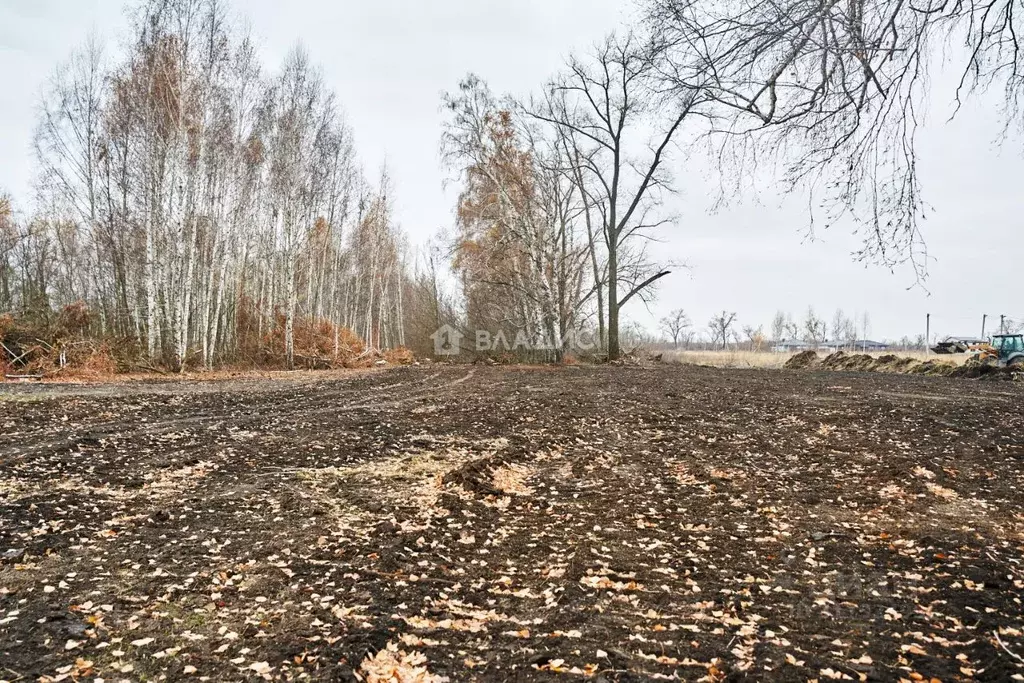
point(390, 60)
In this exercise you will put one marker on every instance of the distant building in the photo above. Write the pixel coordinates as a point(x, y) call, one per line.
point(866, 345)
point(800, 345)
point(792, 346)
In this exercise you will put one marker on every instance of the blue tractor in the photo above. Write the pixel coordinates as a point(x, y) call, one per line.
point(1009, 349)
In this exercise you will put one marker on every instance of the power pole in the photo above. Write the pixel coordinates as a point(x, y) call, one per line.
point(984, 320)
point(928, 335)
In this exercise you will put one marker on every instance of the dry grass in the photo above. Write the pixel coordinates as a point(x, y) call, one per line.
point(728, 359)
point(770, 360)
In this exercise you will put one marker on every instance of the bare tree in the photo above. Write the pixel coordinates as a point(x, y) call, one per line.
point(603, 104)
point(838, 324)
point(299, 110)
point(835, 91)
point(720, 327)
point(635, 337)
point(844, 329)
point(520, 245)
point(9, 238)
point(1013, 325)
point(674, 324)
point(186, 199)
point(68, 137)
point(755, 337)
point(779, 326)
point(815, 329)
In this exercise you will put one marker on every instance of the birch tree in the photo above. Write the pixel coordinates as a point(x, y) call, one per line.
point(9, 238)
point(520, 248)
point(188, 197)
point(779, 326)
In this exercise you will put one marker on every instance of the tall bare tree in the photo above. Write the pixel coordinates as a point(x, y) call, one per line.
point(202, 207)
point(755, 337)
point(520, 247)
point(9, 238)
point(606, 104)
point(844, 329)
point(865, 326)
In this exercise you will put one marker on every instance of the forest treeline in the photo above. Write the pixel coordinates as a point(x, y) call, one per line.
point(196, 209)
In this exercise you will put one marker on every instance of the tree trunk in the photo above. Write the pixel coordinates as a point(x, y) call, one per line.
point(613, 303)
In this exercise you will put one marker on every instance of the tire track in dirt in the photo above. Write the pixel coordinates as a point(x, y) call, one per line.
point(292, 407)
point(262, 393)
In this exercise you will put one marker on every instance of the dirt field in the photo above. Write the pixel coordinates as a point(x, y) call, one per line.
point(514, 524)
point(769, 360)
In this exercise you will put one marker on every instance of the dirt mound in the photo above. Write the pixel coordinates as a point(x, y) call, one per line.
point(895, 364)
point(975, 369)
point(841, 361)
point(890, 364)
point(849, 362)
point(399, 356)
point(932, 368)
point(803, 361)
point(476, 476)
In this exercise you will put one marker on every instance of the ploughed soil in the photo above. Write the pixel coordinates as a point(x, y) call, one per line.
point(514, 524)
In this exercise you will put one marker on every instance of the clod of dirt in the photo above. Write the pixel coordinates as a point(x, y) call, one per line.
point(12, 555)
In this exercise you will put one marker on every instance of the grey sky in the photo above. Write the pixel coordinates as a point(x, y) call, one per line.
point(389, 61)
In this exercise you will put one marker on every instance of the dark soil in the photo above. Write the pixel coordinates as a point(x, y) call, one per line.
point(515, 524)
point(854, 362)
point(803, 361)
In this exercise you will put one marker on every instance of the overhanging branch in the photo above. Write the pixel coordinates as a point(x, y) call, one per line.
point(643, 285)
